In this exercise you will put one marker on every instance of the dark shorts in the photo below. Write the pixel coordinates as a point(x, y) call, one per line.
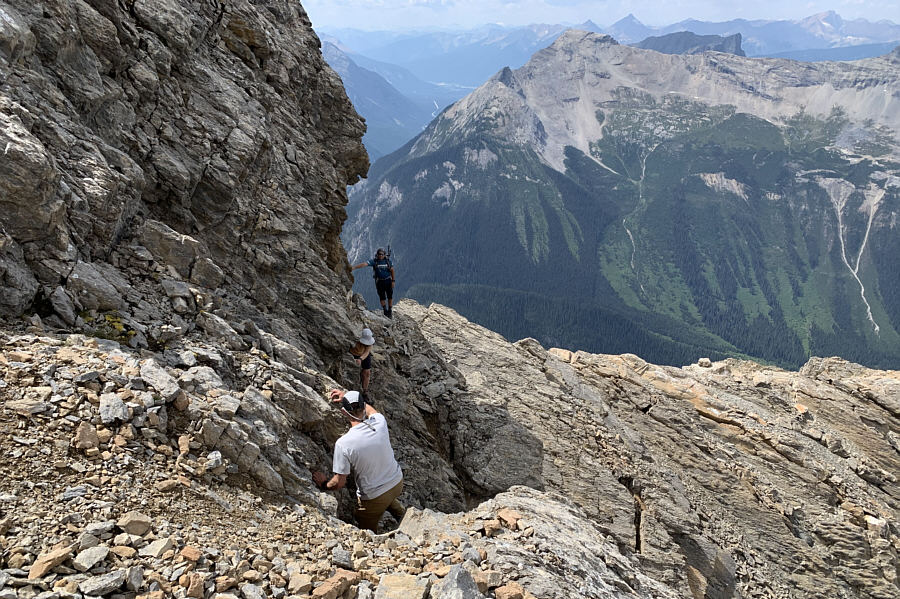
point(383, 287)
point(366, 362)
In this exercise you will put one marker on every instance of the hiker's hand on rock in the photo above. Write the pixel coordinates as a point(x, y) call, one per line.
point(336, 395)
point(319, 478)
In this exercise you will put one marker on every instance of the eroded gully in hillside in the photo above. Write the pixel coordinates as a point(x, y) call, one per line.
point(641, 203)
point(839, 191)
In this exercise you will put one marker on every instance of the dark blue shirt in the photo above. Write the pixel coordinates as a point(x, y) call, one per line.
point(382, 268)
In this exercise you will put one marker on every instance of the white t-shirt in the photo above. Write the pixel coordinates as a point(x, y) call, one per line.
point(367, 447)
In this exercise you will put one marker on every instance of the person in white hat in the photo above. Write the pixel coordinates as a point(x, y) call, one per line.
point(366, 448)
point(362, 353)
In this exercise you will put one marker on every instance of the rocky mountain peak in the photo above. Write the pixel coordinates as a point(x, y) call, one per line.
point(589, 69)
point(628, 19)
point(828, 20)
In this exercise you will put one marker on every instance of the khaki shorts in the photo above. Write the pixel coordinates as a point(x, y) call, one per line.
point(369, 511)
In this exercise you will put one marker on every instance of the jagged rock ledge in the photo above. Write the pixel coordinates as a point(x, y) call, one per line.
point(645, 480)
point(722, 479)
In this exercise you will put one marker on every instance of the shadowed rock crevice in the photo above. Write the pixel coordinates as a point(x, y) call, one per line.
point(634, 489)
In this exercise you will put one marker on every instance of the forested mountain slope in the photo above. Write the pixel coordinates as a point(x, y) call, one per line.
point(617, 199)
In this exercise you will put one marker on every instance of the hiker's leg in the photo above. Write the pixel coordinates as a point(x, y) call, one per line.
point(381, 294)
point(369, 511)
point(367, 515)
point(364, 378)
point(397, 510)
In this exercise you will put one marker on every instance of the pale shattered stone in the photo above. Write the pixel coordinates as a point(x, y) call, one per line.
point(457, 584)
point(157, 548)
point(155, 376)
point(112, 409)
point(85, 436)
point(300, 583)
point(90, 557)
point(402, 586)
point(49, 560)
point(134, 523)
point(166, 486)
point(101, 585)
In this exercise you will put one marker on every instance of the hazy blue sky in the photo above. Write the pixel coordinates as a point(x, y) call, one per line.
point(406, 14)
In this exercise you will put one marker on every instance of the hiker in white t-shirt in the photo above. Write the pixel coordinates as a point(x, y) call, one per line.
point(366, 447)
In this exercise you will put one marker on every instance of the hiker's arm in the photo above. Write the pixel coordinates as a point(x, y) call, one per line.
point(335, 483)
point(370, 410)
point(392, 276)
point(365, 354)
point(360, 265)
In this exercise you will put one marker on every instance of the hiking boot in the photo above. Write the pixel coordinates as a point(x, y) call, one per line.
point(390, 313)
point(386, 312)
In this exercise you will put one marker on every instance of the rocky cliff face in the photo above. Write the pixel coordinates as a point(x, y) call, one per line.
point(722, 479)
point(212, 141)
point(172, 187)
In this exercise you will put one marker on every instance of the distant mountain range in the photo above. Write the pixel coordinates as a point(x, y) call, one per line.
point(843, 53)
point(466, 58)
point(685, 42)
point(431, 70)
point(765, 38)
point(615, 199)
point(392, 118)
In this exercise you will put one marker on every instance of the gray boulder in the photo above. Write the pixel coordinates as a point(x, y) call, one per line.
point(458, 584)
point(92, 290)
point(101, 585)
point(218, 328)
point(29, 207)
point(170, 247)
point(207, 273)
point(155, 375)
point(63, 306)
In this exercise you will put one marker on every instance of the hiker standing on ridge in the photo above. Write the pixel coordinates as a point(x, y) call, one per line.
point(362, 353)
point(384, 279)
point(366, 447)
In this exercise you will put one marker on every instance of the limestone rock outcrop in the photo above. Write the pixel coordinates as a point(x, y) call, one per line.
point(723, 479)
point(205, 143)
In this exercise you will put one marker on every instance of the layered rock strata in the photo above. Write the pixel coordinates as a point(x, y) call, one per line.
point(208, 139)
point(724, 479)
point(183, 473)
